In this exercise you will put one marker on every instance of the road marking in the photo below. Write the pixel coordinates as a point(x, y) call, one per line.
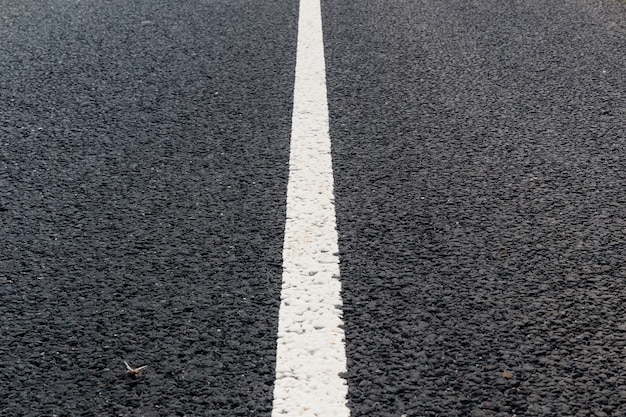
point(311, 349)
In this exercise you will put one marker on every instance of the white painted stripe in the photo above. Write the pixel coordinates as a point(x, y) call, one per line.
point(311, 349)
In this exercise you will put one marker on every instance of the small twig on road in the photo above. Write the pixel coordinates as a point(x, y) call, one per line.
point(135, 372)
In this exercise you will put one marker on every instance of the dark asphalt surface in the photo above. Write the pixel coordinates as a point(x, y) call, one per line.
point(479, 152)
point(143, 169)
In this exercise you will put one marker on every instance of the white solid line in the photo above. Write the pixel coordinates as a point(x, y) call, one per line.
point(310, 354)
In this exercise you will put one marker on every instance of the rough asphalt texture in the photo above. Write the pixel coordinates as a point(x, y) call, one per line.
point(481, 190)
point(479, 150)
point(143, 170)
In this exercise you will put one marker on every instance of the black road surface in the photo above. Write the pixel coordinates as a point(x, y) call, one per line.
point(480, 173)
point(480, 168)
point(144, 150)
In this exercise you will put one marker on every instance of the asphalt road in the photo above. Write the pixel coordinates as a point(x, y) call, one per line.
point(143, 179)
point(479, 160)
point(478, 150)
